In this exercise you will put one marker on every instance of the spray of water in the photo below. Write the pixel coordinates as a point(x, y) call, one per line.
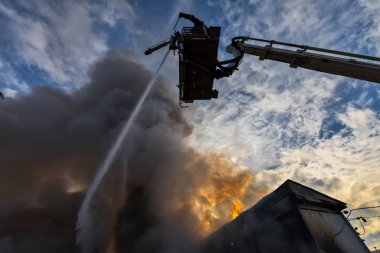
point(84, 219)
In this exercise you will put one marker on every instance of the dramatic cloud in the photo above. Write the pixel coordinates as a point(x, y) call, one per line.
point(318, 129)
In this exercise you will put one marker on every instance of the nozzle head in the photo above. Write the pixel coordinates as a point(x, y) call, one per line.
point(148, 51)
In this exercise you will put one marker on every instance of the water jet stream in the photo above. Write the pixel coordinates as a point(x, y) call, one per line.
point(83, 214)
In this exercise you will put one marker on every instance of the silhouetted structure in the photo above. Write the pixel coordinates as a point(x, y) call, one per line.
point(293, 218)
point(197, 48)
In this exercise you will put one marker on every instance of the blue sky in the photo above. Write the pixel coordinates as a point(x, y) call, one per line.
point(318, 129)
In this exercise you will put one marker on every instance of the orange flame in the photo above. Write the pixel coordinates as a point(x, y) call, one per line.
point(236, 209)
point(223, 192)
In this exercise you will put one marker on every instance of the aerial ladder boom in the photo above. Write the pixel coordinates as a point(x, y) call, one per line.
point(197, 49)
point(332, 61)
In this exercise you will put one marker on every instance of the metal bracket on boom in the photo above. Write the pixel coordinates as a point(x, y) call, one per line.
point(298, 55)
point(264, 53)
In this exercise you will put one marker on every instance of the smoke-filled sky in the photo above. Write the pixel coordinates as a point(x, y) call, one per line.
point(71, 72)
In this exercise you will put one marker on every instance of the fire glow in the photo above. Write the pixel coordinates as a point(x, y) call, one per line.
point(223, 194)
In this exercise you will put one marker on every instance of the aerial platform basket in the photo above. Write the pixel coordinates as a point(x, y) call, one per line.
point(197, 48)
point(197, 63)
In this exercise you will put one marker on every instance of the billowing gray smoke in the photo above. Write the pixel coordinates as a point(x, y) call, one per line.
point(52, 142)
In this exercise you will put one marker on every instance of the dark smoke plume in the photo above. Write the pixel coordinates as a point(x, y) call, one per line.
point(52, 142)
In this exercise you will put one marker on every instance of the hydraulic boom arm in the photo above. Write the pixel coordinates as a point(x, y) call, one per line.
point(197, 48)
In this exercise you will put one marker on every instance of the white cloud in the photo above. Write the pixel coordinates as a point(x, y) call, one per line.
point(258, 129)
point(10, 80)
point(63, 45)
point(114, 11)
point(362, 121)
point(8, 92)
point(62, 38)
point(372, 38)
